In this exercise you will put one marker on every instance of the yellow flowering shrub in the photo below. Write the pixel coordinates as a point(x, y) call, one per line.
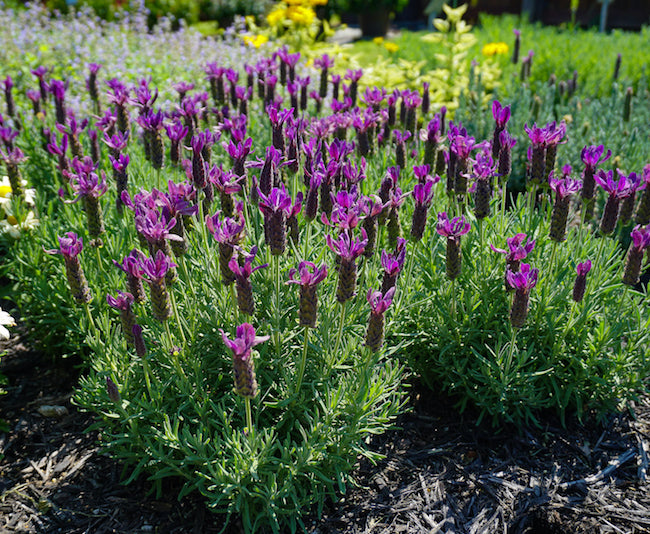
point(493, 49)
point(255, 40)
point(293, 22)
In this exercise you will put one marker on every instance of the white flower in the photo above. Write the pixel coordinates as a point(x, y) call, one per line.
point(13, 227)
point(5, 320)
point(5, 194)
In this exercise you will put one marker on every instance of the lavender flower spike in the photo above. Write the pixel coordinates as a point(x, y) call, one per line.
point(154, 271)
point(309, 278)
point(564, 187)
point(242, 273)
point(379, 303)
point(70, 246)
point(123, 303)
point(522, 281)
point(243, 368)
point(580, 284)
point(640, 242)
point(452, 230)
point(348, 249)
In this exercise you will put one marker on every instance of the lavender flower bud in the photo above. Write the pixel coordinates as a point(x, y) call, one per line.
point(519, 310)
point(482, 199)
point(94, 217)
point(77, 280)
point(633, 266)
point(453, 263)
point(112, 391)
point(160, 301)
point(610, 215)
point(245, 301)
point(559, 218)
point(347, 283)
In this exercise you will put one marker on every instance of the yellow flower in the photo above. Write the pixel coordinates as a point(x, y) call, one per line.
point(276, 16)
point(391, 47)
point(255, 40)
point(5, 190)
point(378, 40)
point(301, 15)
point(317, 2)
point(492, 49)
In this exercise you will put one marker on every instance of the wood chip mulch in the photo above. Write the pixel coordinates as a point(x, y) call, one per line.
point(441, 472)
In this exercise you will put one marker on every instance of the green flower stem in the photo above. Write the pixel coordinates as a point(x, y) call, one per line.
point(511, 350)
point(551, 263)
point(91, 322)
point(174, 353)
point(533, 196)
point(303, 362)
point(99, 262)
point(178, 317)
point(339, 334)
point(147, 376)
point(619, 308)
point(306, 243)
point(158, 182)
point(249, 415)
point(204, 233)
point(235, 307)
point(186, 275)
point(453, 300)
point(278, 311)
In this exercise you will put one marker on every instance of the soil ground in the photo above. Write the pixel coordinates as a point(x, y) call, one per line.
point(441, 473)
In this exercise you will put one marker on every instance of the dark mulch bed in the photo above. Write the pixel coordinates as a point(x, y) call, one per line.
point(442, 472)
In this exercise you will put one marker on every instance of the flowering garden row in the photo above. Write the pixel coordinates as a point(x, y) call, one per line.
point(184, 227)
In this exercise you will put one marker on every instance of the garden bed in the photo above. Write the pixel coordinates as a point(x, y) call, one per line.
point(440, 471)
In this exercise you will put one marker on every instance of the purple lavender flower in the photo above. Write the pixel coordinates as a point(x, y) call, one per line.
point(643, 211)
point(392, 263)
point(121, 177)
point(640, 242)
point(276, 207)
point(628, 202)
point(238, 153)
point(564, 187)
point(522, 282)
point(309, 276)
point(348, 249)
point(482, 171)
point(228, 232)
point(176, 133)
point(57, 89)
point(379, 302)
point(70, 246)
point(131, 266)
point(89, 187)
point(423, 197)
point(91, 84)
point(324, 63)
point(617, 190)
point(518, 248)
point(243, 367)
point(154, 271)
point(123, 303)
point(580, 284)
point(453, 230)
point(537, 155)
point(7, 86)
point(501, 116)
point(243, 272)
